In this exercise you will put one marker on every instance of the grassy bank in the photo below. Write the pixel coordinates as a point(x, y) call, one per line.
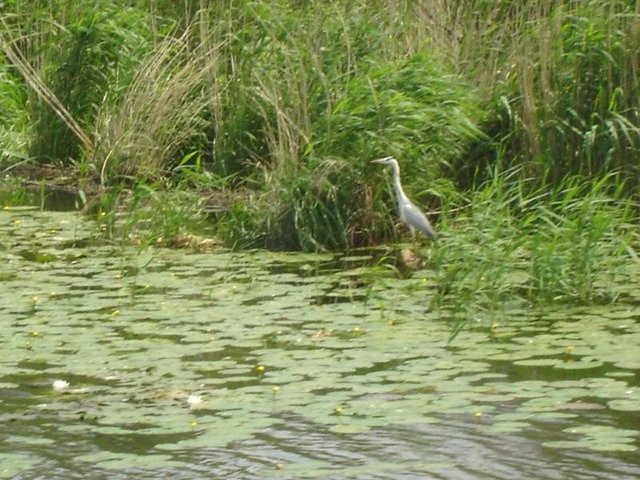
point(255, 121)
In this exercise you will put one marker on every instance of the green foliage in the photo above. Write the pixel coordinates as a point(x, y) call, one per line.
point(83, 68)
point(154, 216)
point(562, 85)
point(584, 239)
point(515, 243)
point(281, 105)
point(14, 122)
point(325, 194)
point(288, 66)
point(158, 118)
point(410, 109)
point(12, 193)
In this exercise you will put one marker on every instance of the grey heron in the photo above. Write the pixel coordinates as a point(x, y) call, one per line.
point(409, 212)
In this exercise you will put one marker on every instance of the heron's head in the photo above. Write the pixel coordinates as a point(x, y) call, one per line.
point(392, 162)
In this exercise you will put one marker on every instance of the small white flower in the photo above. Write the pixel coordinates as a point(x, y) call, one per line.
point(195, 401)
point(60, 385)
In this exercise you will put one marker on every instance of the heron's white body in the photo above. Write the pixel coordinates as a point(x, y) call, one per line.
point(409, 212)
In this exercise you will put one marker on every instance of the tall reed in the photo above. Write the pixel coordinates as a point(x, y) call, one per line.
point(159, 116)
point(14, 122)
point(562, 82)
point(518, 244)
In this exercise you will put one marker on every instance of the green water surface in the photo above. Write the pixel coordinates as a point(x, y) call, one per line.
point(156, 363)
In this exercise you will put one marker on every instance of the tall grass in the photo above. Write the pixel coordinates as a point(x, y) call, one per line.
point(325, 98)
point(321, 181)
point(288, 102)
point(159, 116)
point(14, 122)
point(145, 216)
point(72, 56)
point(558, 98)
point(562, 81)
point(515, 243)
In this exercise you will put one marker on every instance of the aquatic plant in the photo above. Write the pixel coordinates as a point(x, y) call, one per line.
point(514, 244)
point(256, 348)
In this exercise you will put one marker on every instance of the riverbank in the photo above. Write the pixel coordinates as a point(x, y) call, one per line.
point(253, 126)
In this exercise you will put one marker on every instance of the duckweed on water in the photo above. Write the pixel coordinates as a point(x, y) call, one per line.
point(260, 342)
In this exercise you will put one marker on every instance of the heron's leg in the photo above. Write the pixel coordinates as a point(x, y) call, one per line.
point(413, 238)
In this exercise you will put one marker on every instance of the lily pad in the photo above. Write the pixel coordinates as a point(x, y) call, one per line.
point(278, 347)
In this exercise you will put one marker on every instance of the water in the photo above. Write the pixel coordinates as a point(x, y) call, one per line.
point(175, 364)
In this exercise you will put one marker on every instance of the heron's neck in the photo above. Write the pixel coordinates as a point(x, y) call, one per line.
point(397, 185)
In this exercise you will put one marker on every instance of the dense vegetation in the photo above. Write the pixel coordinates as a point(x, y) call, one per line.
point(517, 120)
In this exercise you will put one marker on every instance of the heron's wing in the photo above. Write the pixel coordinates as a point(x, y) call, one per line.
point(416, 219)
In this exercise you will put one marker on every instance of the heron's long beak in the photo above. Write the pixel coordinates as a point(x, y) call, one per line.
point(381, 160)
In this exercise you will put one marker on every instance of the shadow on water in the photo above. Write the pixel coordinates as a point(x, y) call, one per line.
point(48, 197)
point(170, 364)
